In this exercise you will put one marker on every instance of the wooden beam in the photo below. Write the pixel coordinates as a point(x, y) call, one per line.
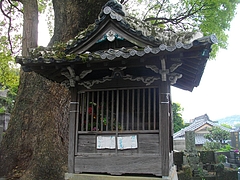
point(72, 133)
point(164, 126)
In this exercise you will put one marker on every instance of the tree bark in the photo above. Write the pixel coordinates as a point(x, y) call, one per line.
point(73, 16)
point(30, 25)
point(35, 146)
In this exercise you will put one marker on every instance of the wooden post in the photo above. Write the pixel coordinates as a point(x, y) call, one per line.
point(72, 134)
point(171, 131)
point(164, 126)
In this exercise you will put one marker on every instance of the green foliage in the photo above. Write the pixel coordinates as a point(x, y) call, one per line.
point(178, 122)
point(219, 168)
point(10, 24)
point(208, 16)
point(9, 80)
point(225, 148)
point(8, 71)
point(217, 137)
point(216, 134)
point(10, 42)
point(226, 126)
point(216, 18)
point(209, 146)
point(187, 171)
point(42, 5)
point(221, 158)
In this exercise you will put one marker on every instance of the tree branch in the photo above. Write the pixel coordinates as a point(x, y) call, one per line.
point(123, 2)
point(15, 6)
point(177, 19)
point(9, 25)
point(160, 9)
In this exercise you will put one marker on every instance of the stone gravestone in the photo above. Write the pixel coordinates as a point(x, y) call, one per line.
point(235, 139)
point(190, 141)
point(191, 153)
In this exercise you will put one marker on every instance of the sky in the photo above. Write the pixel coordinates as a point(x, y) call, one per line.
point(218, 94)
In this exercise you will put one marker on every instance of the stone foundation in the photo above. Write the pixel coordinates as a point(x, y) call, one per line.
point(70, 176)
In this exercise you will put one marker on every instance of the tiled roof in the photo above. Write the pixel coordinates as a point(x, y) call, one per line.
point(138, 41)
point(158, 39)
point(197, 123)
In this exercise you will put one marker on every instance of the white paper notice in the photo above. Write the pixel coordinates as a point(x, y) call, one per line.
point(106, 142)
point(127, 142)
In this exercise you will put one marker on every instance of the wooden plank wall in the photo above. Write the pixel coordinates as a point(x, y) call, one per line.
point(119, 164)
point(72, 127)
point(147, 144)
point(153, 153)
point(146, 159)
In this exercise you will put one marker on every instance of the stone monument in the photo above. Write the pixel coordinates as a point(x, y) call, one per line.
point(192, 157)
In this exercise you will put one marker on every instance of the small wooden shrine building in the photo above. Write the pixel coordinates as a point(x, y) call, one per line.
point(120, 71)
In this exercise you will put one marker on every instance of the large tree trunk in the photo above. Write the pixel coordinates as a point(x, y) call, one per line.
point(36, 144)
point(72, 16)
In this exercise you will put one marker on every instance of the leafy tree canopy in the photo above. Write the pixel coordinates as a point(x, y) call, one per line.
point(226, 126)
point(9, 79)
point(207, 16)
point(178, 122)
point(216, 134)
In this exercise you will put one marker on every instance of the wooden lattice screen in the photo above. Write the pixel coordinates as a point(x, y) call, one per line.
point(119, 109)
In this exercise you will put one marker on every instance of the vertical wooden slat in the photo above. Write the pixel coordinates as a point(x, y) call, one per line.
point(102, 111)
point(149, 109)
point(123, 113)
point(77, 121)
point(154, 108)
point(138, 108)
point(133, 94)
point(92, 100)
point(107, 111)
point(83, 102)
point(72, 135)
point(159, 116)
point(157, 107)
point(117, 118)
point(143, 111)
point(87, 112)
point(127, 128)
point(97, 113)
point(112, 110)
point(170, 122)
